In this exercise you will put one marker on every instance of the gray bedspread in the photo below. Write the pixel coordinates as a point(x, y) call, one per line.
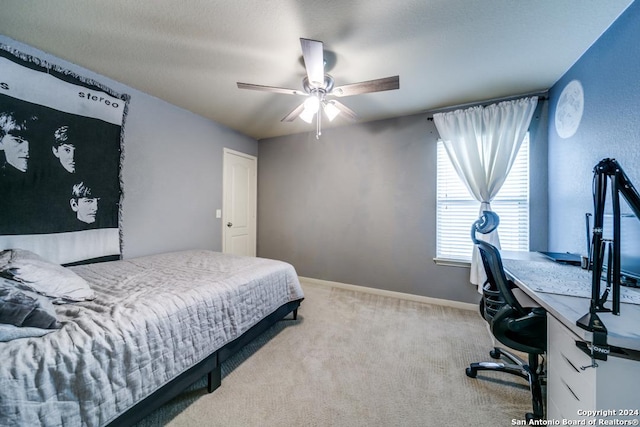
point(154, 317)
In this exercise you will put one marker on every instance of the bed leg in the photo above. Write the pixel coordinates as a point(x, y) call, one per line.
point(295, 314)
point(214, 378)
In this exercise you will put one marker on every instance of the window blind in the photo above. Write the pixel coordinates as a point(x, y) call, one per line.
point(457, 209)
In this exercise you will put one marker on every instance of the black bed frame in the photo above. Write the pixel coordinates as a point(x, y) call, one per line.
point(210, 366)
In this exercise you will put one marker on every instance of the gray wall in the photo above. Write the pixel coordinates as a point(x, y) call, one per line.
point(539, 183)
point(172, 170)
point(358, 206)
point(610, 127)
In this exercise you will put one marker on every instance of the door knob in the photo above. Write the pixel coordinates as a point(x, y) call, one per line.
point(229, 224)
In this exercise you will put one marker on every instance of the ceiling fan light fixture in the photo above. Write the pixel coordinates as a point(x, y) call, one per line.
point(312, 104)
point(311, 107)
point(330, 110)
point(307, 116)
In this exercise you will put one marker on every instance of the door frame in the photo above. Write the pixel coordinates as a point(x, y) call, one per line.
point(225, 195)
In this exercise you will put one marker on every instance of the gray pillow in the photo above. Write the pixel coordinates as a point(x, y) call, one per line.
point(22, 308)
point(43, 277)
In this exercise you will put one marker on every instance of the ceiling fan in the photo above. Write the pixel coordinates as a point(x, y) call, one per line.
point(319, 88)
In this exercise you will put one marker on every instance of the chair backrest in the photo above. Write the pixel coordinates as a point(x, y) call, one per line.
point(497, 289)
point(520, 328)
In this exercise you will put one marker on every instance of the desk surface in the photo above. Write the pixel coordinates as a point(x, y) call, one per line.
point(533, 273)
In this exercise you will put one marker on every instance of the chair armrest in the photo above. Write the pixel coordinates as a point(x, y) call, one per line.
point(529, 322)
point(539, 311)
point(525, 333)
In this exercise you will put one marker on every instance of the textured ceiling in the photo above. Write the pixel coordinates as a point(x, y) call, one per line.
point(191, 53)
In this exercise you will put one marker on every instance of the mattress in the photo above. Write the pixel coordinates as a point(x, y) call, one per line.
point(154, 317)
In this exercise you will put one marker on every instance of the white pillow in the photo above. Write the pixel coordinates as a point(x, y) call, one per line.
point(44, 277)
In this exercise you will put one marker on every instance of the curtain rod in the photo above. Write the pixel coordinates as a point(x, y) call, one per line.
point(542, 96)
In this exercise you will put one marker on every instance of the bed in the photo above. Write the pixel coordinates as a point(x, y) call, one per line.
point(153, 326)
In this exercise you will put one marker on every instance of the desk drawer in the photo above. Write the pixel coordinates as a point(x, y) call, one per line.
point(568, 386)
point(562, 395)
point(553, 412)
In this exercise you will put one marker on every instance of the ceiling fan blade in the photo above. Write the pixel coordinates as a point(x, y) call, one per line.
point(294, 114)
point(346, 111)
point(270, 89)
point(312, 52)
point(378, 85)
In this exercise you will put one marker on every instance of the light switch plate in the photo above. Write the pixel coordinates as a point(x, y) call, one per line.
point(218, 213)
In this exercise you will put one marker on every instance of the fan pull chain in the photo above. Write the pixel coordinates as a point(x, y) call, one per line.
point(318, 119)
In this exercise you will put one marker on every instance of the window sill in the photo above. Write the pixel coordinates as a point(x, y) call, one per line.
point(450, 262)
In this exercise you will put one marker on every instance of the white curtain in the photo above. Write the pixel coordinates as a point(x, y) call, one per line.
point(482, 143)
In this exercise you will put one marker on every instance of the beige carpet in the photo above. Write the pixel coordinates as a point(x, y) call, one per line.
point(357, 359)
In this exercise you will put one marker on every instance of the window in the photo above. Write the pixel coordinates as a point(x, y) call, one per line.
point(457, 209)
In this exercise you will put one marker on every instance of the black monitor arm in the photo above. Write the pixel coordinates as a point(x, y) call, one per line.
point(620, 184)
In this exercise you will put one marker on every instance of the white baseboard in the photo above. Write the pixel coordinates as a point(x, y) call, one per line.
point(393, 294)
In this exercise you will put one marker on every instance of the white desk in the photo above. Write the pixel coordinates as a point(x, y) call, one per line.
point(573, 389)
point(532, 271)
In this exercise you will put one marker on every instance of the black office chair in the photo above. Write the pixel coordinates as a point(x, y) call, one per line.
point(520, 328)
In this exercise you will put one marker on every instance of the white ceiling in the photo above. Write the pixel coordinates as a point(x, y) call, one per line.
point(191, 53)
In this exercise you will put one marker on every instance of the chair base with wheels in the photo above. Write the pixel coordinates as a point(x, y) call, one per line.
point(533, 372)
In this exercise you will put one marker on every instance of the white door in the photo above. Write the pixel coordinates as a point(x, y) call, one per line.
point(239, 194)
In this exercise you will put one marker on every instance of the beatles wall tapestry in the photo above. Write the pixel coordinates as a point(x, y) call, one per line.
point(60, 153)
